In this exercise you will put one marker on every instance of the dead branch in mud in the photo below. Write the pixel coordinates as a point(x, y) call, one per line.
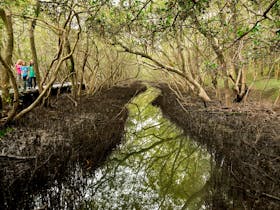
point(72, 100)
point(14, 157)
point(271, 196)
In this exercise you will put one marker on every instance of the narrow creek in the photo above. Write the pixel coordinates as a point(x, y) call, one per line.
point(156, 167)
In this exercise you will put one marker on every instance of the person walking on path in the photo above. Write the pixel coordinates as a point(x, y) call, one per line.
point(31, 75)
point(24, 74)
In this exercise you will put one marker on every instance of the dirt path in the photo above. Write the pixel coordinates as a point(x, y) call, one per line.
point(244, 139)
point(47, 143)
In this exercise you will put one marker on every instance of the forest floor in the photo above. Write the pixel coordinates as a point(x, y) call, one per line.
point(245, 140)
point(45, 145)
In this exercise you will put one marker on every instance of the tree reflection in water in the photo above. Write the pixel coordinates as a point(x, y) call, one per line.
point(156, 167)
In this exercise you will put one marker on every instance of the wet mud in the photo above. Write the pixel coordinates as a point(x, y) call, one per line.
point(42, 148)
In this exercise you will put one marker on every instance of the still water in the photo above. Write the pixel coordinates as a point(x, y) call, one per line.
point(156, 167)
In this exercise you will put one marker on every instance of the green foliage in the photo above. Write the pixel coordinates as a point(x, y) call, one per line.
point(256, 28)
point(1, 25)
point(198, 6)
point(8, 100)
point(276, 9)
point(267, 84)
point(242, 30)
point(4, 131)
point(15, 3)
point(211, 66)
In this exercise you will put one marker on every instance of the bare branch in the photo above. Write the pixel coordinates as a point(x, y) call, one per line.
point(14, 157)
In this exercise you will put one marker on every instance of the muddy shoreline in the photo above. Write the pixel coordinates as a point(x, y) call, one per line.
point(44, 146)
point(244, 139)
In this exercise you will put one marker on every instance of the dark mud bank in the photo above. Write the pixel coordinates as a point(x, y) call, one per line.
point(245, 141)
point(46, 144)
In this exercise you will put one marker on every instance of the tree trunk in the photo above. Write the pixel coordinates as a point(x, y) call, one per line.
point(71, 67)
point(13, 112)
point(86, 54)
point(7, 63)
point(33, 47)
point(5, 88)
point(223, 64)
point(240, 81)
point(220, 56)
point(278, 72)
point(7, 19)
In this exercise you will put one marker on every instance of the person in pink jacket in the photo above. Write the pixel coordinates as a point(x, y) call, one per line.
point(18, 70)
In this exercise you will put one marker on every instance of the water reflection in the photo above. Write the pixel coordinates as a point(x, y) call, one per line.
point(156, 167)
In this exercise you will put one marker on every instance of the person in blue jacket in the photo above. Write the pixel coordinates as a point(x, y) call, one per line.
point(24, 73)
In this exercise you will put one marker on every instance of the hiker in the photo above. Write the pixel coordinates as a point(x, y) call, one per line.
point(31, 75)
point(24, 74)
point(18, 66)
